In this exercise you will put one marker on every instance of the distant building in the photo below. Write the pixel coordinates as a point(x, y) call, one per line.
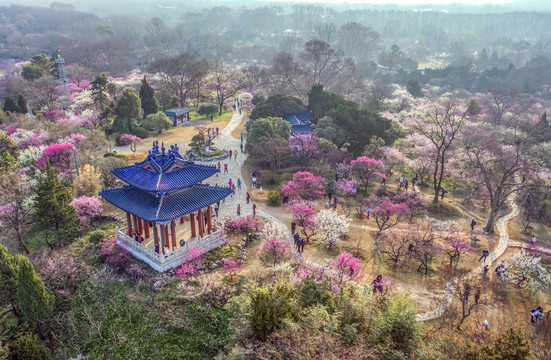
point(301, 123)
point(178, 115)
point(301, 128)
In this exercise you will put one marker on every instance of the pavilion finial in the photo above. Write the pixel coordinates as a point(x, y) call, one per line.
point(163, 147)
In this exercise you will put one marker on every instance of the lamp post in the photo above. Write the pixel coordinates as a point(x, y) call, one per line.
point(76, 161)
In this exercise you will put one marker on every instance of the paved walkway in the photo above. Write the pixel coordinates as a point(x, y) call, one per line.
point(225, 141)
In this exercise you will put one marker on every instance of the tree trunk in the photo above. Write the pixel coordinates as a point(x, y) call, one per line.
point(22, 242)
point(491, 221)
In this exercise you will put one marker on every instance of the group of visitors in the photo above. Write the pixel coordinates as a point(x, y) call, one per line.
point(232, 153)
point(254, 178)
point(299, 242)
point(536, 314)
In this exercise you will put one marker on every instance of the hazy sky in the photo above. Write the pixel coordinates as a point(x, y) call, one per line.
point(405, 2)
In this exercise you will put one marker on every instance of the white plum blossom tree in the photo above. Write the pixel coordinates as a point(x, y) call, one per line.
point(525, 269)
point(331, 226)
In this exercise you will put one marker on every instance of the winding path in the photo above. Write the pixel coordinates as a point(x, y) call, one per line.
point(498, 251)
point(229, 210)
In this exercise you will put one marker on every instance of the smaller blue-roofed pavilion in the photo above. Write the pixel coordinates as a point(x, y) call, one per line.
point(164, 188)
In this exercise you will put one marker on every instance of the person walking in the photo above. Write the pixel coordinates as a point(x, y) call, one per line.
point(329, 195)
point(241, 137)
point(216, 131)
point(254, 181)
point(368, 212)
point(533, 241)
point(230, 152)
point(401, 181)
point(239, 183)
point(485, 272)
point(241, 146)
point(406, 184)
point(302, 243)
point(238, 209)
point(248, 197)
point(233, 187)
point(254, 210)
point(413, 181)
point(211, 118)
point(225, 168)
point(444, 191)
point(335, 203)
point(285, 200)
point(485, 254)
point(296, 238)
point(383, 181)
point(473, 223)
point(230, 182)
point(293, 227)
point(235, 154)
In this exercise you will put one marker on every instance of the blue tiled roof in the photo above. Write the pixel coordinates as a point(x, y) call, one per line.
point(157, 178)
point(176, 111)
point(301, 118)
point(167, 207)
point(301, 129)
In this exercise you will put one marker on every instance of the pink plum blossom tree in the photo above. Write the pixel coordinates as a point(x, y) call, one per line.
point(59, 156)
point(305, 186)
point(386, 212)
point(363, 168)
point(304, 216)
point(88, 208)
point(305, 149)
point(346, 265)
point(191, 263)
point(455, 246)
point(231, 267)
point(273, 252)
point(246, 226)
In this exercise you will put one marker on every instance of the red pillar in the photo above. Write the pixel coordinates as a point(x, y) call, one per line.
point(201, 222)
point(129, 221)
point(209, 219)
point(146, 228)
point(135, 218)
point(173, 233)
point(163, 239)
point(192, 224)
point(140, 226)
point(156, 236)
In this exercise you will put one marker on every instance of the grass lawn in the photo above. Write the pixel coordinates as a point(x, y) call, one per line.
point(180, 134)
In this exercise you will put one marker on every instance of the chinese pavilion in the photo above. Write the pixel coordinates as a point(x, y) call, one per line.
point(162, 192)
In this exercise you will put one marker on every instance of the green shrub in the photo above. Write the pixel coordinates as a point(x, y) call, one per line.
point(207, 109)
point(140, 132)
point(4, 352)
point(312, 293)
point(274, 198)
point(397, 327)
point(97, 236)
point(270, 305)
point(223, 252)
point(30, 347)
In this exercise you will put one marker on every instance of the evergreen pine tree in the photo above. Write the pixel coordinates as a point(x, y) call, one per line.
point(150, 105)
point(129, 105)
point(22, 104)
point(10, 105)
point(8, 279)
point(52, 209)
point(99, 90)
point(35, 302)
